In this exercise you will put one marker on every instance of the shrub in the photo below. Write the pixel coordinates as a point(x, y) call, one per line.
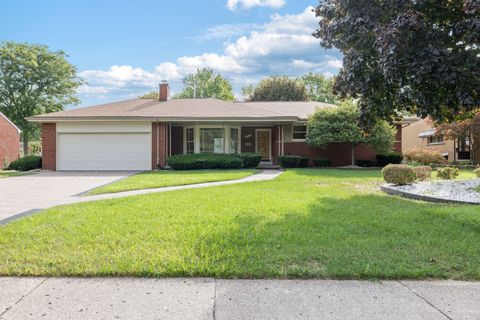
point(424, 156)
point(304, 162)
point(204, 161)
point(423, 173)
point(447, 173)
point(26, 163)
point(322, 162)
point(35, 147)
point(250, 160)
point(477, 172)
point(398, 174)
point(366, 163)
point(389, 158)
point(289, 161)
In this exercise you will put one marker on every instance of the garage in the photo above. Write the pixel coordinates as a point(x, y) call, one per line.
point(104, 146)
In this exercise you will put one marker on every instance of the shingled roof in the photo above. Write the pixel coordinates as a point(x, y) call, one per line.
point(188, 110)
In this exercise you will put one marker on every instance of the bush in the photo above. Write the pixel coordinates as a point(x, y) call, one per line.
point(366, 163)
point(447, 173)
point(477, 172)
point(26, 163)
point(250, 160)
point(398, 174)
point(35, 147)
point(204, 161)
point(304, 162)
point(389, 158)
point(289, 161)
point(322, 162)
point(423, 173)
point(424, 156)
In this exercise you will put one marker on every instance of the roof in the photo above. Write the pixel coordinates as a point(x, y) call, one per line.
point(188, 110)
point(10, 122)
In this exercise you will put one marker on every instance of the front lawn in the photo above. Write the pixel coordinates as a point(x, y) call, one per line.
point(307, 223)
point(158, 179)
point(11, 173)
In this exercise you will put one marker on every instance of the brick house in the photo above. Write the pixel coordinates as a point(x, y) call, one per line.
point(9, 141)
point(140, 134)
point(422, 133)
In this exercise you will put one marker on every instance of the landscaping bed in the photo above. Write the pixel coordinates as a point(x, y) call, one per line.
point(461, 191)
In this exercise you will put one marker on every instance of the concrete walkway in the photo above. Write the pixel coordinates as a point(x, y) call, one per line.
point(201, 298)
point(21, 196)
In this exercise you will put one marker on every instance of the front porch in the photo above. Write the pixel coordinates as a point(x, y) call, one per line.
point(265, 139)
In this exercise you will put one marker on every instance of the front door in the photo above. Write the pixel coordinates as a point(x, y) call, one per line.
point(263, 143)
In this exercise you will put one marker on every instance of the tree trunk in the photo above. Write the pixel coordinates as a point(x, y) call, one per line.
point(25, 144)
point(353, 154)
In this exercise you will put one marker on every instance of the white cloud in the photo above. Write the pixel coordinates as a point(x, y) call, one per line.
point(283, 45)
point(248, 4)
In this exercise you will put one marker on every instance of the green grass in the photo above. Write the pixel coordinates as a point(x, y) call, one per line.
point(11, 173)
point(307, 223)
point(158, 179)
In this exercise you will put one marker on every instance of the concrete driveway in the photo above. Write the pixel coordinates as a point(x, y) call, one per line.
point(22, 194)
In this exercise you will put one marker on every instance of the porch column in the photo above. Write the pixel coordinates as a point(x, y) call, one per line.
point(160, 144)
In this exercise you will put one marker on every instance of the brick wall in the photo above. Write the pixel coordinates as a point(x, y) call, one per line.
point(159, 144)
point(49, 146)
point(338, 153)
point(9, 142)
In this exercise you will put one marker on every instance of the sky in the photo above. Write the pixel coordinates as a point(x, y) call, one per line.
point(124, 48)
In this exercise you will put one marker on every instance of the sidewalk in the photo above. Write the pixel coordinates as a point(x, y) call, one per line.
point(202, 298)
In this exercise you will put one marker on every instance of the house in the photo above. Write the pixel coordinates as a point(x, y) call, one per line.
point(140, 134)
point(422, 133)
point(9, 141)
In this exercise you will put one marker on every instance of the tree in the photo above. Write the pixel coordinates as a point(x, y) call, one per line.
point(319, 88)
point(34, 80)
point(247, 92)
point(341, 125)
point(150, 95)
point(206, 84)
point(410, 56)
point(280, 88)
point(465, 127)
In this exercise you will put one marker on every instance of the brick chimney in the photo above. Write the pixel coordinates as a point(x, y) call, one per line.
point(164, 91)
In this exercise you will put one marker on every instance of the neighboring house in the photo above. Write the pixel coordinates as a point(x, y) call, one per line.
point(140, 134)
point(9, 141)
point(421, 133)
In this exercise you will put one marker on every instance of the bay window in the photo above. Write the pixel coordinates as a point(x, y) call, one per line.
point(212, 140)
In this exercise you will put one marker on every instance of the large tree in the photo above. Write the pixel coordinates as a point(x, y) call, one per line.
point(319, 88)
point(414, 56)
point(34, 80)
point(206, 84)
point(279, 88)
point(342, 125)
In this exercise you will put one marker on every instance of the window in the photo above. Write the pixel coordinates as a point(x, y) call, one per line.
point(234, 140)
point(190, 140)
point(212, 140)
point(299, 131)
point(435, 139)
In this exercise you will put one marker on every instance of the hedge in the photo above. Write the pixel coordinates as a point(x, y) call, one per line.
point(289, 161)
point(204, 161)
point(26, 163)
point(366, 163)
point(322, 162)
point(250, 160)
point(389, 158)
point(398, 174)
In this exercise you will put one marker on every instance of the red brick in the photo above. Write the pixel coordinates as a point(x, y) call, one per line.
point(159, 144)
point(49, 146)
point(9, 142)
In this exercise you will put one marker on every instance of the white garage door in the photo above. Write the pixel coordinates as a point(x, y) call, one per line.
point(104, 151)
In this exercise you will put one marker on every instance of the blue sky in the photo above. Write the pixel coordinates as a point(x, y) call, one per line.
point(124, 48)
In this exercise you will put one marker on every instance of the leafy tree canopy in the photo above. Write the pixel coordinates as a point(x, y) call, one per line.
point(279, 88)
point(341, 125)
point(415, 56)
point(319, 88)
point(150, 95)
point(34, 80)
point(207, 85)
